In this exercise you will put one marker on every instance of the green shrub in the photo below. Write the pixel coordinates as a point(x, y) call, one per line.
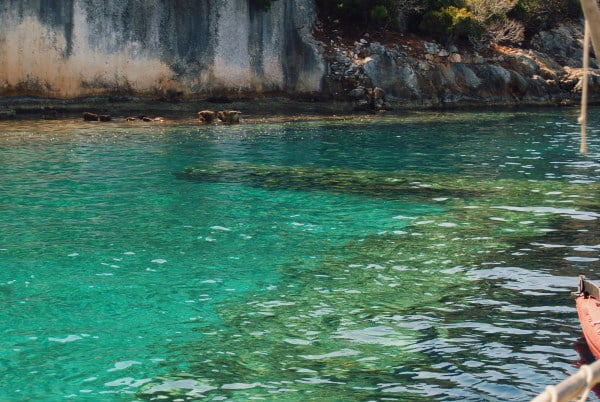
point(363, 13)
point(437, 23)
point(449, 23)
point(380, 13)
point(446, 19)
point(538, 15)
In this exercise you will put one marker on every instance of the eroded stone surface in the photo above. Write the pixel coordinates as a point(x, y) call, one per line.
point(156, 48)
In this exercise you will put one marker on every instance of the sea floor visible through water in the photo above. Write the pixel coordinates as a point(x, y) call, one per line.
point(422, 256)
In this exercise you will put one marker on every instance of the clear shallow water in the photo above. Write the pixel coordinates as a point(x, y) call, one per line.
point(426, 256)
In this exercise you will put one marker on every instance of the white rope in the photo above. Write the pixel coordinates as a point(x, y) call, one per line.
point(551, 390)
point(584, 90)
point(589, 382)
point(591, 12)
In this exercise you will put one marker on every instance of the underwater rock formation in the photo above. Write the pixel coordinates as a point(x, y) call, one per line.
point(375, 294)
point(375, 184)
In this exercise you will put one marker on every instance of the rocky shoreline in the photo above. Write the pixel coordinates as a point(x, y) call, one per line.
point(426, 74)
point(81, 55)
point(278, 110)
point(368, 76)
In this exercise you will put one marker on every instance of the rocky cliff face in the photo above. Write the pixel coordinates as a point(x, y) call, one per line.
point(191, 49)
point(427, 74)
point(187, 48)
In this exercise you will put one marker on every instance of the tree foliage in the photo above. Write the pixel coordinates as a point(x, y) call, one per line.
point(492, 15)
point(451, 23)
point(543, 14)
point(362, 12)
point(491, 20)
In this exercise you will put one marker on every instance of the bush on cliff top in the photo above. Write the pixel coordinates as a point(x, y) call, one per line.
point(361, 12)
point(485, 19)
point(451, 23)
point(537, 15)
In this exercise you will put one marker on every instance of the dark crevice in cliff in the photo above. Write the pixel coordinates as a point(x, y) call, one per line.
point(256, 39)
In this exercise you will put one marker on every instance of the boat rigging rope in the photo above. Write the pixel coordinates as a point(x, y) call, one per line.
point(589, 382)
point(591, 12)
point(584, 88)
point(551, 390)
point(576, 387)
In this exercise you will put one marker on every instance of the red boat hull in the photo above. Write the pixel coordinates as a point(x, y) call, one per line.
point(589, 317)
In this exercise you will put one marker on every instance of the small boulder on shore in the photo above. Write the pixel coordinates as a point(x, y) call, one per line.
point(229, 116)
point(87, 116)
point(207, 116)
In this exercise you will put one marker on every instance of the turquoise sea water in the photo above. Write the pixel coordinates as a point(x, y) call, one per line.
point(417, 257)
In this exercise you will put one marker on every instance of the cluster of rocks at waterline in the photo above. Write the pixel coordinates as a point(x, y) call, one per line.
point(224, 116)
point(88, 116)
point(145, 119)
point(418, 73)
point(204, 117)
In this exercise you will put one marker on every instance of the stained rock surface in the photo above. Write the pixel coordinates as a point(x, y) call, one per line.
point(214, 49)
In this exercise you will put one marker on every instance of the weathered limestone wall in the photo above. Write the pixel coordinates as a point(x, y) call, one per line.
point(72, 48)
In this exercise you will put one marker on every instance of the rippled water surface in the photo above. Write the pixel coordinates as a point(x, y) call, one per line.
point(427, 256)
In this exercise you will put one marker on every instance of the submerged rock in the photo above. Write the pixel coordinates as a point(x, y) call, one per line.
point(7, 114)
point(374, 184)
point(368, 284)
